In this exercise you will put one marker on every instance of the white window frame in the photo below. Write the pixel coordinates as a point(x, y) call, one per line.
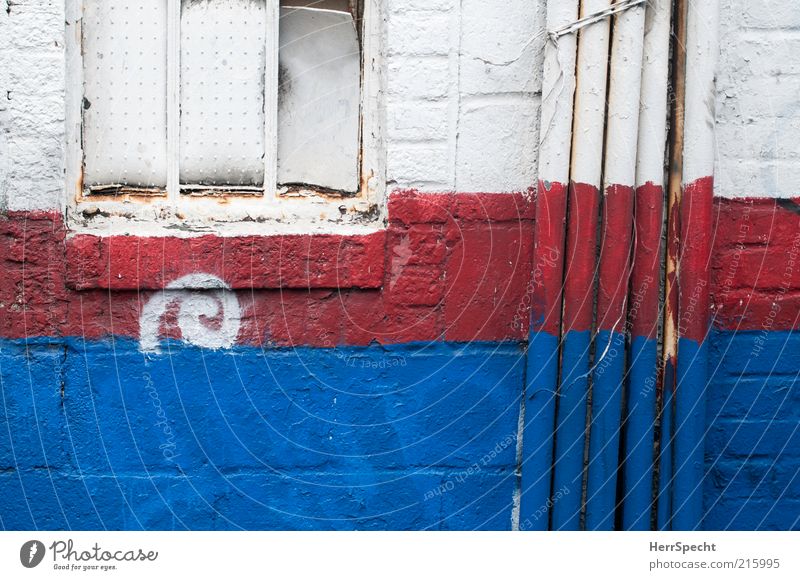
point(276, 211)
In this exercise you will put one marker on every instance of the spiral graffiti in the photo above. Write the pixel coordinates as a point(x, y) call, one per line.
point(200, 297)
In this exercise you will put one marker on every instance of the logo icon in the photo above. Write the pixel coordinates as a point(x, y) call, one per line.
point(31, 553)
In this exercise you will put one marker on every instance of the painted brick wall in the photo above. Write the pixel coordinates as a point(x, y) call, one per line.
point(32, 104)
point(462, 109)
point(757, 107)
point(754, 393)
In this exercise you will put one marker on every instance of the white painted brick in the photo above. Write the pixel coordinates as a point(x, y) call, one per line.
point(410, 78)
point(418, 121)
point(32, 116)
point(501, 46)
point(756, 178)
point(758, 116)
point(765, 14)
point(398, 6)
point(419, 33)
point(497, 145)
point(408, 165)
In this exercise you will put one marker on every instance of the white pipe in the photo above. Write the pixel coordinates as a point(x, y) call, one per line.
point(558, 90)
point(590, 97)
point(654, 101)
point(542, 355)
point(622, 130)
point(623, 98)
point(702, 48)
point(696, 219)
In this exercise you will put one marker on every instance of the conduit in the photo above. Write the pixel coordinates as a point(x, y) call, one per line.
point(670, 333)
point(583, 206)
point(693, 264)
point(609, 369)
point(558, 89)
point(624, 153)
point(637, 489)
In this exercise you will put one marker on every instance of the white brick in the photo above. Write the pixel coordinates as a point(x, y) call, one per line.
point(766, 14)
point(398, 6)
point(418, 121)
point(412, 78)
point(419, 33)
point(501, 46)
point(758, 116)
point(32, 113)
point(497, 145)
point(411, 164)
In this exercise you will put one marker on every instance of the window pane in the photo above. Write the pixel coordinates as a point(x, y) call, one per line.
point(340, 5)
point(222, 92)
point(319, 99)
point(125, 93)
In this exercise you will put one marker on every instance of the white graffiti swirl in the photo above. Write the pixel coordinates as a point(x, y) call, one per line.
point(200, 297)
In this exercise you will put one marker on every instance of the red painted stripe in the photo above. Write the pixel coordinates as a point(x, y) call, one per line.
point(645, 294)
point(615, 256)
point(134, 263)
point(544, 290)
point(449, 266)
point(755, 272)
point(584, 201)
point(695, 259)
point(463, 276)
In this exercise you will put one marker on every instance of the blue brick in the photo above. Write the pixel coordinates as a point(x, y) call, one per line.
point(734, 514)
point(31, 418)
point(272, 439)
point(291, 409)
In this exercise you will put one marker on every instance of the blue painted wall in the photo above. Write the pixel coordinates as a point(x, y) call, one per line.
point(753, 437)
point(402, 437)
point(98, 435)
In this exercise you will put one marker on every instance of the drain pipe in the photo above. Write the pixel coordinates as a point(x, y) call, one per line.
point(558, 90)
point(619, 179)
point(670, 349)
point(583, 206)
point(637, 494)
point(693, 265)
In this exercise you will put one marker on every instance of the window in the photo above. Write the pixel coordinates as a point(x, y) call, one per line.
point(222, 110)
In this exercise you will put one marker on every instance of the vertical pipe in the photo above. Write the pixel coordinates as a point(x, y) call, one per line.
point(693, 264)
point(608, 376)
point(644, 310)
point(583, 203)
point(670, 351)
point(558, 89)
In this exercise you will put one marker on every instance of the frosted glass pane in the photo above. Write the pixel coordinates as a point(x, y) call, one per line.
point(318, 99)
point(125, 93)
point(222, 92)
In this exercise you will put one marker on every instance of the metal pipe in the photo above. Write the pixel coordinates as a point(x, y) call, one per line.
point(583, 205)
point(637, 489)
point(619, 179)
point(670, 351)
point(558, 89)
point(693, 264)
